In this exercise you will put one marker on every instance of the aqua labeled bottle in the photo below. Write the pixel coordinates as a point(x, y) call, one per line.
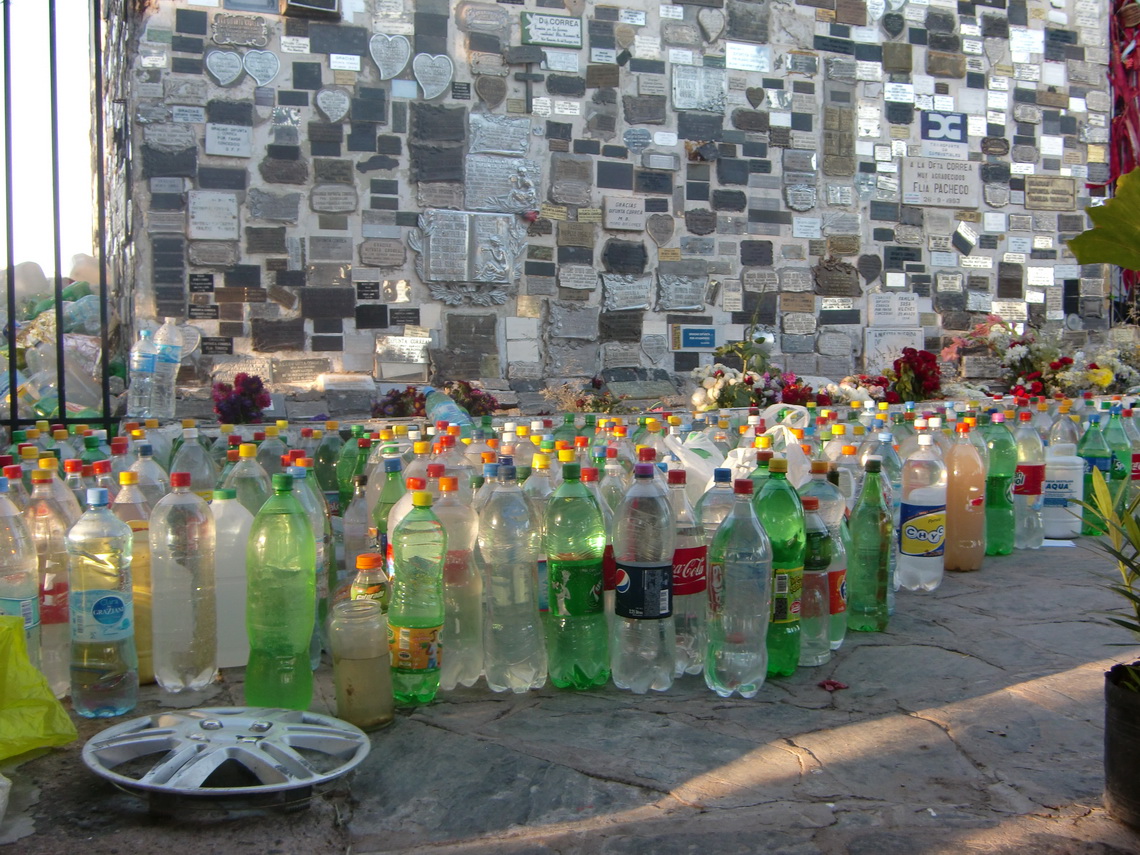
point(415, 616)
point(104, 665)
point(575, 543)
point(779, 510)
point(281, 602)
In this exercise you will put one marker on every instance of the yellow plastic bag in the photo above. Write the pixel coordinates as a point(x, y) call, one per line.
point(30, 716)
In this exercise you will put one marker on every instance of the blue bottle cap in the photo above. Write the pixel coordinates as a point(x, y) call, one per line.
point(97, 497)
point(298, 472)
point(3, 484)
point(507, 472)
point(393, 464)
point(145, 449)
point(722, 476)
point(490, 470)
point(506, 460)
point(1094, 419)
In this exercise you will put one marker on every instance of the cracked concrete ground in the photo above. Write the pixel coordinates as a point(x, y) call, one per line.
point(973, 725)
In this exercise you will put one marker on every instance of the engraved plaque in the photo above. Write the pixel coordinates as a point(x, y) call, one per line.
point(571, 320)
point(579, 277)
point(433, 73)
point(623, 213)
point(759, 279)
point(680, 293)
point(333, 199)
point(1050, 193)
point(224, 66)
point(459, 246)
point(699, 88)
point(491, 134)
point(241, 30)
point(212, 215)
point(836, 279)
point(383, 252)
point(940, 183)
point(208, 253)
point(571, 177)
point(623, 292)
point(798, 323)
point(508, 184)
point(439, 194)
point(390, 53)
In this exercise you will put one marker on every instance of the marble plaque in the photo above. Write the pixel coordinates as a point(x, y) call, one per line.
point(893, 310)
point(212, 215)
point(333, 199)
point(578, 277)
point(283, 208)
point(459, 246)
point(383, 252)
point(940, 183)
point(433, 73)
point(571, 178)
point(680, 293)
point(390, 53)
point(759, 279)
point(699, 88)
point(224, 66)
point(624, 292)
point(440, 194)
point(551, 30)
point(1050, 193)
point(492, 134)
point(508, 184)
point(624, 213)
point(572, 320)
point(210, 253)
point(882, 346)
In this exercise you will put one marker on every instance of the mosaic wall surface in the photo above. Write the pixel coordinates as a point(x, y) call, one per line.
point(549, 189)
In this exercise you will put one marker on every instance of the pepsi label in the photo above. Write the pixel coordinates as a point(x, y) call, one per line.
point(643, 591)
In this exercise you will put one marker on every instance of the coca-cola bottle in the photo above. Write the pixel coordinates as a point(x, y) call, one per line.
point(689, 560)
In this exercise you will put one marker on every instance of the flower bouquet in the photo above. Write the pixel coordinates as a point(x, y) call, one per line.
point(242, 402)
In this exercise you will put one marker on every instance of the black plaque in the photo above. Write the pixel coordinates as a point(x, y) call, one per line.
point(222, 112)
point(372, 317)
point(166, 164)
point(328, 302)
point(202, 313)
point(621, 256)
point(404, 317)
point(216, 345)
point(756, 253)
point(201, 283)
point(367, 290)
point(700, 126)
point(338, 38)
point(653, 182)
point(270, 336)
point(620, 326)
point(436, 163)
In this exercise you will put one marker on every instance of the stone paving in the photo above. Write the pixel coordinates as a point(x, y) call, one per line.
point(973, 725)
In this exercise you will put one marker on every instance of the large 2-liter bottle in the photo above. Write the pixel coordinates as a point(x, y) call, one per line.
point(868, 562)
point(922, 519)
point(690, 559)
point(462, 636)
point(644, 638)
point(779, 510)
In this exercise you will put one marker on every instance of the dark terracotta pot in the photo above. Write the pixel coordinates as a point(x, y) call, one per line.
point(1121, 747)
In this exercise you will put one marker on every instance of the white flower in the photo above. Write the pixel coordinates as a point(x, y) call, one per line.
point(699, 399)
point(1017, 352)
point(708, 382)
point(712, 394)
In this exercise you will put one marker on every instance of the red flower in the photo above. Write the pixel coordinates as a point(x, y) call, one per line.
point(1093, 366)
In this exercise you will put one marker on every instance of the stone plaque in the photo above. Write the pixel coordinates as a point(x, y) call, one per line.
point(213, 253)
point(578, 277)
point(940, 183)
point(680, 293)
point(262, 65)
point(284, 208)
point(240, 30)
point(572, 320)
point(893, 310)
point(1050, 193)
point(759, 279)
point(491, 90)
point(439, 194)
point(882, 346)
point(551, 30)
point(224, 66)
point(660, 227)
point(797, 301)
point(699, 88)
point(333, 199)
point(700, 221)
point(458, 246)
point(623, 256)
point(508, 184)
point(334, 104)
point(383, 252)
point(571, 178)
point(493, 134)
point(212, 215)
point(626, 292)
point(836, 279)
point(798, 323)
point(390, 53)
point(433, 73)
point(623, 213)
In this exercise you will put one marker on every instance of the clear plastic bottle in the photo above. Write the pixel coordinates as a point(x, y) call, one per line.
point(850, 474)
point(441, 407)
point(462, 635)
point(715, 504)
point(837, 584)
point(1028, 485)
point(270, 451)
point(965, 504)
point(779, 510)
point(1133, 434)
point(249, 479)
point(73, 479)
point(357, 522)
point(323, 558)
point(1065, 429)
point(815, 610)
point(232, 523)
point(538, 488)
point(644, 639)
point(168, 344)
point(195, 460)
point(739, 601)
point(510, 539)
point(574, 543)
point(19, 573)
point(868, 561)
point(182, 553)
point(416, 613)
point(690, 582)
point(922, 519)
point(48, 472)
point(104, 665)
point(280, 602)
point(144, 356)
point(131, 506)
point(48, 525)
point(153, 480)
point(326, 456)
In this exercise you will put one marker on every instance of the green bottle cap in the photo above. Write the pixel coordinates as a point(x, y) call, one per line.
point(225, 494)
point(571, 471)
point(283, 482)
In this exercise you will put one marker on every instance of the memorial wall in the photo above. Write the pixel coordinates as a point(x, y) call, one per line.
point(529, 190)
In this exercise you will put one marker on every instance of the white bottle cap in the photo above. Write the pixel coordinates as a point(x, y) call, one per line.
point(925, 439)
point(935, 422)
point(919, 424)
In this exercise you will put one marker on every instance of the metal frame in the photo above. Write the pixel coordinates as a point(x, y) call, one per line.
point(96, 12)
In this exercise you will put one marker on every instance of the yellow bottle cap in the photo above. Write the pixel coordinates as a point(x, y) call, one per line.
point(247, 449)
point(188, 423)
point(29, 453)
point(421, 447)
point(150, 423)
point(778, 464)
point(32, 434)
point(421, 499)
point(566, 455)
point(128, 478)
point(332, 425)
point(225, 430)
point(270, 430)
point(540, 461)
point(48, 463)
point(59, 435)
point(282, 424)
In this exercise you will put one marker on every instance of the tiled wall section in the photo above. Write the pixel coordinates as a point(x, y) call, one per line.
point(528, 190)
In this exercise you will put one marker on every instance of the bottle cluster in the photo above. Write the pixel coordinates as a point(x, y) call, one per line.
point(590, 551)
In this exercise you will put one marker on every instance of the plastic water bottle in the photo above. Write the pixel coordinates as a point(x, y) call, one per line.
point(716, 504)
point(1064, 486)
point(270, 451)
point(193, 459)
point(510, 539)
point(538, 488)
point(868, 561)
point(322, 543)
point(168, 343)
point(739, 601)
point(644, 639)
point(144, 356)
point(153, 480)
point(182, 549)
point(690, 583)
point(837, 584)
point(462, 635)
point(327, 453)
point(416, 614)
point(779, 510)
point(232, 523)
point(1000, 521)
point(440, 407)
point(815, 610)
point(280, 602)
point(922, 519)
point(249, 480)
point(357, 522)
point(575, 545)
point(19, 573)
point(104, 665)
point(131, 506)
point(1028, 485)
point(965, 504)
point(48, 525)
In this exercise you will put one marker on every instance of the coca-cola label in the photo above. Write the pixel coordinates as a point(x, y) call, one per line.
point(787, 592)
point(1028, 479)
point(689, 570)
point(837, 590)
point(643, 591)
point(922, 530)
point(1136, 467)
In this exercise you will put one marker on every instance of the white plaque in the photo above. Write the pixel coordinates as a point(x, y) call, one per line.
point(228, 140)
point(940, 183)
point(883, 346)
point(623, 213)
point(213, 215)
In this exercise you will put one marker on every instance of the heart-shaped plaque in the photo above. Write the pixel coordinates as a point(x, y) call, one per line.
point(261, 65)
point(870, 266)
point(334, 103)
point(660, 228)
point(433, 73)
point(491, 90)
point(893, 23)
point(755, 95)
point(711, 22)
point(224, 65)
point(390, 53)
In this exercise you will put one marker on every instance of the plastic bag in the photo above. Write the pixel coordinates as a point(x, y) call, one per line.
point(30, 716)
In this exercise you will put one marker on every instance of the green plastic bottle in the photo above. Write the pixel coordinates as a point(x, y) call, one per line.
point(391, 492)
point(1121, 470)
point(280, 602)
point(759, 475)
point(415, 616)
point(868, 561)
point(780, 512)
point(1000, 518)
point(575, 542)
point(324, 461)
point(353, 461)
point(1097, 455)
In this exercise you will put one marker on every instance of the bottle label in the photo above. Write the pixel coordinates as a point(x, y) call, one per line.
point(787, 590)
point(98, 616)
point(170, 353)
point(332, 498)
point(609, 568)
point(922, 530)
point(142, 363)
point(1057, 492)
point(716, 586)
point(837, 590)
point(1028, 479)
point(643, 591)
point(28, 609)
point(415, 649)
point(575, 588)
point(455, 566)
point(1120, 466)
point(689, 570)
point(1136, 467)
point(1104, 464)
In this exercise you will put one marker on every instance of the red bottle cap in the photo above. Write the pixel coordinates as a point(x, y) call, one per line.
point(676, 476)
point(742, 487)
point(435, 470)
point(646, 455)
point(101, 467)
point(73, 465)
point(179, 479)
point(810, 503)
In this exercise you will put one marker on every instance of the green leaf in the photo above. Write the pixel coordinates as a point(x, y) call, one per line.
point(1115, 235)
